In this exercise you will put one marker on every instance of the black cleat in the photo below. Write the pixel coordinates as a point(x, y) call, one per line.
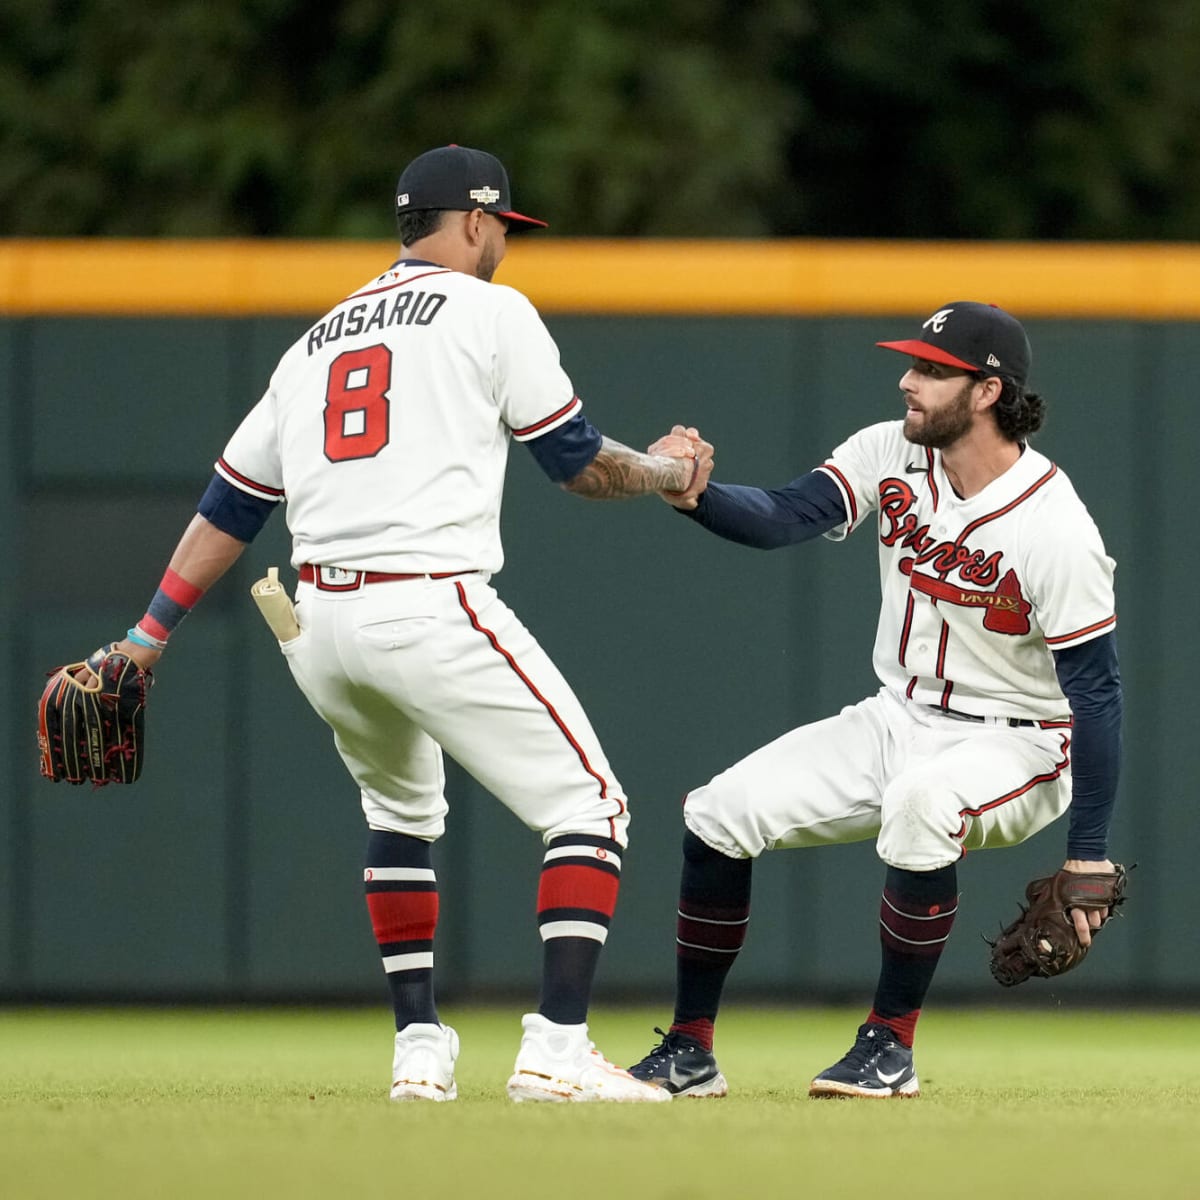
point(876, 1066)
point(681, 1067)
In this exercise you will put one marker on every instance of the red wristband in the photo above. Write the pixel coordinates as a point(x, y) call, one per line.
point(172, 602)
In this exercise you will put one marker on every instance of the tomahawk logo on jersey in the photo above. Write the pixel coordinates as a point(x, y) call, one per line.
point(958, 574)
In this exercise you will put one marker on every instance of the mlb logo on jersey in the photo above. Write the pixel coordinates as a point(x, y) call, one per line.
point(335, 578)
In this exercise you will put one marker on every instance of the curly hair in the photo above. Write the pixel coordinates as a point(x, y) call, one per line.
point(1018, 412)
point(419, 224)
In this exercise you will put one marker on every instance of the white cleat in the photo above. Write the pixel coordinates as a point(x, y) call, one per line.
point(557, 1063)
point(423, 1066)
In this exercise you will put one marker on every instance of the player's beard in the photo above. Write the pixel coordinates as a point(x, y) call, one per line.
point(944, 426)
point(488, 261)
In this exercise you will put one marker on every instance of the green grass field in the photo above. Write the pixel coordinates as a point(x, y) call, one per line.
point(261, 1103)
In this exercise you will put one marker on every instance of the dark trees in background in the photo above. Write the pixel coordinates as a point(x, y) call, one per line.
point(678, 118)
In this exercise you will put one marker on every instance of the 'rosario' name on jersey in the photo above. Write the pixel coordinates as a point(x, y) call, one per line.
point(386, 426)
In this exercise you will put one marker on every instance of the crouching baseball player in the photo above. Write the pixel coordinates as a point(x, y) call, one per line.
point(1000, 707)
point(386, 429)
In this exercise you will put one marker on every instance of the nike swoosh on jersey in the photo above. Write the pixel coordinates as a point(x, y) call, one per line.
point(913, 469)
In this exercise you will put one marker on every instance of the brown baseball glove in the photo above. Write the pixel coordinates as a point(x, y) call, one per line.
point(94, 729)
point(1042, 941)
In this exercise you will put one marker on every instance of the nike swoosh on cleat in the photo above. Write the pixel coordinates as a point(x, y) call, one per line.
point(889, 1079)
point(677, 1079)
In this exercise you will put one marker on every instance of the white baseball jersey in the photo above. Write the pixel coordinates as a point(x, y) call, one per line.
point(975, 593)
point(976, 596)
point(387, 425)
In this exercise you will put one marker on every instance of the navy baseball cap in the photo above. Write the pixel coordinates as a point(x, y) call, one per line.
point(460, 179)
point(972, 337)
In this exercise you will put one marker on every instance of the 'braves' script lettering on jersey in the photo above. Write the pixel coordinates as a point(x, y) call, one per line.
point(978, 592)
point(899, 524)
point(1005, 609)
point(405, 308)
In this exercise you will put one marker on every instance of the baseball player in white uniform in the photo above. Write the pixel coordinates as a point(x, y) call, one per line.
point(386, 429)
point(1001, 701)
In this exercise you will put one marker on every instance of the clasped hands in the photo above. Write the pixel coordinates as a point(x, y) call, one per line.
point(684, 441)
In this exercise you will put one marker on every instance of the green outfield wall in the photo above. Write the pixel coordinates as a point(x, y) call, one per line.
point(233, 868)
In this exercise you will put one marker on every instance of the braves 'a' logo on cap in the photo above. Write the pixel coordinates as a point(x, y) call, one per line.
point(485, 195)
point(938, 321)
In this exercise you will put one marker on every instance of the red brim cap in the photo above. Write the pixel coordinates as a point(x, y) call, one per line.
point(919, 349)
point(518, 219)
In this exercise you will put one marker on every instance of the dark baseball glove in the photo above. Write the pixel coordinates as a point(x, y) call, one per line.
point(1042, 941)
point(94, 730)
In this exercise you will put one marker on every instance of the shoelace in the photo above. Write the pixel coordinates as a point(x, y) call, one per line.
point(671, 1042)
point(866, 1049)
point(663, 1050)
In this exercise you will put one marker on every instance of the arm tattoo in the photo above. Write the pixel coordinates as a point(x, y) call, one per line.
point(618, 472)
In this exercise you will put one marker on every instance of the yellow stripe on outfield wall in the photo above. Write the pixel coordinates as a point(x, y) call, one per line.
point(753, 278)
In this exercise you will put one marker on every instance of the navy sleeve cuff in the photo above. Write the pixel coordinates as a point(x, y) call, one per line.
point(233, 511)
point(1091, 680)
point(564, 452)
point(805, 508)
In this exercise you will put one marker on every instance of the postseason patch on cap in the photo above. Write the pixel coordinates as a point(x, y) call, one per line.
point(459, 179)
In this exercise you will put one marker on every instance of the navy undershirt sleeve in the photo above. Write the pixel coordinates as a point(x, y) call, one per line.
point(564, 452)
point(1091, 680)
point(233, 511)
point(768, 518)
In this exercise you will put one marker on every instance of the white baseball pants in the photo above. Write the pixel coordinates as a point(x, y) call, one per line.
point(400, 670)
point(927, 786)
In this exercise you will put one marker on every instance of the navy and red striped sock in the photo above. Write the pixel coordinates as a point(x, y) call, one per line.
point(713, 918)
point(577, 895)
point(402, 899)
point(916, 914)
